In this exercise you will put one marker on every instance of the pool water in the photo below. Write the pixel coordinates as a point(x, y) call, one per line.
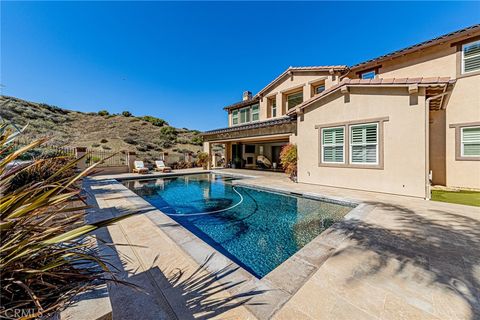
point(256, 229)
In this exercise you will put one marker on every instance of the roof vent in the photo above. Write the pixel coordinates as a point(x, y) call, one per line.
point(247, 95)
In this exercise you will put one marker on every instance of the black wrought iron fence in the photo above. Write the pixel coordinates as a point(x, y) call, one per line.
point(110, 158)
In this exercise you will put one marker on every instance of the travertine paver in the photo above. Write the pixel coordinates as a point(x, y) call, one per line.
point(407, 259)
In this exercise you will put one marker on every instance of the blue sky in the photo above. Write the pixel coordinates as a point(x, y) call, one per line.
point(184, 61)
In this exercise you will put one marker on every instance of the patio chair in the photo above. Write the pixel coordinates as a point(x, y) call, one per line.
point(263, 162)
point(139, 167)
point(160, 166)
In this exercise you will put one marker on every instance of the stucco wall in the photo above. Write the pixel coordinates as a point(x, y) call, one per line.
point(463, 107)
point(437, 147)
point(404, 141)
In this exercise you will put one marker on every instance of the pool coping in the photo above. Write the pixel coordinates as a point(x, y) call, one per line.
point(280, 284)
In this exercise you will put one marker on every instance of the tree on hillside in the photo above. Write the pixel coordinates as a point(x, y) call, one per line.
point(103, 113)
point(126, 114)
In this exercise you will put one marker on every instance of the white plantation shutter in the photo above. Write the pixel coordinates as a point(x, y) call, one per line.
point(333, 145)
point(364, 144)
point(471, 142)
point(471, 57)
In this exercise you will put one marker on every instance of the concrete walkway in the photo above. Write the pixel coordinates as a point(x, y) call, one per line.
point(407, 259)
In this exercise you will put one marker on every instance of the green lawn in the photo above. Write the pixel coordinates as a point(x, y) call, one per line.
point(469, 198)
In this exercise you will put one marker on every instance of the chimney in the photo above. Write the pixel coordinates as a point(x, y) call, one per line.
point(247, 95)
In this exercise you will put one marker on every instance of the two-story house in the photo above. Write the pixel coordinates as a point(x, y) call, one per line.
point(393, 124)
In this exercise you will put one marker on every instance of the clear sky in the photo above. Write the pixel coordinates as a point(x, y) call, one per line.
point(184, 61)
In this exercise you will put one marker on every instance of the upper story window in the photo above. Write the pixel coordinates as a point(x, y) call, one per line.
point(471, 57)
point(235, 117)
point(245, 115)
point(470, 141)
point(368, 75)
point(294, 99)
point(319, 88)
point(255, 112)
point(273, 107)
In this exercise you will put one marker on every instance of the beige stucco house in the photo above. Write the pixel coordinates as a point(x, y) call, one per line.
point(395, 124)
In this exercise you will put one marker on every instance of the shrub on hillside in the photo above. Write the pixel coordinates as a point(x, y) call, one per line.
point(103, 141)
point(155, 121)
point(103, 113)
point(126, 114)
point(196, 140)
point(130, 140)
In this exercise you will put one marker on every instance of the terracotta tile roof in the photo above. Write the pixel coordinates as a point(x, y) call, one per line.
point(241, 104)
point(418, 46)
point(253, 125)
point(374, 82)
point(301, 69)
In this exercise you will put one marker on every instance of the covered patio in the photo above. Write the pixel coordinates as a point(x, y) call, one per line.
point(254, 146)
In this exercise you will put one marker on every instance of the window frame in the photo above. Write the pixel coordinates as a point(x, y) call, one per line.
point(322, 145)
point(347, 124)
point(315, 88)
point(462, 64)
point(352, 144)
point(367, 72)
point(462, 143)
point(257, 112)
point(458, 140)
point(235, 117)
point(273, 106)
point(291, 94)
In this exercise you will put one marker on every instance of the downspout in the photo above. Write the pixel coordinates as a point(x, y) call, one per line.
point(427, 143)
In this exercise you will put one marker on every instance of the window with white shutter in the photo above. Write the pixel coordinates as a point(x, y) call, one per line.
point(471, 57)
point(333, 145)
point(470, 142)
point(364, 144)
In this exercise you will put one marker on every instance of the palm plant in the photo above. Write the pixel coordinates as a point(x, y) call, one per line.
point(46, 253)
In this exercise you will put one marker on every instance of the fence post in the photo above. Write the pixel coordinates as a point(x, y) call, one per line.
point(79, 152)
point(131, 157)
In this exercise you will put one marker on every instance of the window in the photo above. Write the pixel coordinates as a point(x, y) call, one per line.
point(364, 144)
point(368, 75)
point(255, 113)
point(235, 117)
point(274, 107)
point(319, 89)
point(245, 115)
point(294, 99)
point(470, 141)
point(333, 140)
point(471, 57)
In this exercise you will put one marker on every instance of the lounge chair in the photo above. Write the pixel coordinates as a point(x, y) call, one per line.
point(263, 162)
point(139, 167)
point(160, 166)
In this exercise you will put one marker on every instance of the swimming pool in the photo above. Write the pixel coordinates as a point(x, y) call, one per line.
point(256, 229)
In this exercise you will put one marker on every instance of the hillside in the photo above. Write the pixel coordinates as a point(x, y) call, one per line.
point(147, 136)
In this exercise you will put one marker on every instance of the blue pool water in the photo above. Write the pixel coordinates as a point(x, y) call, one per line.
point(257, 229)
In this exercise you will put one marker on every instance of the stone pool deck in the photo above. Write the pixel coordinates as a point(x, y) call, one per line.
point(395, 258)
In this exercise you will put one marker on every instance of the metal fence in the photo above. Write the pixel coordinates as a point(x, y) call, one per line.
point(110, 158)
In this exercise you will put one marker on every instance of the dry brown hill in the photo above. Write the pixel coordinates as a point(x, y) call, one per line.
point(148, 136)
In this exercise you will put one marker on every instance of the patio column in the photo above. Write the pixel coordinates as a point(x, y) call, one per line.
point(131, 157)
point(228, 152)
point(207, 148)
point(80, 152)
